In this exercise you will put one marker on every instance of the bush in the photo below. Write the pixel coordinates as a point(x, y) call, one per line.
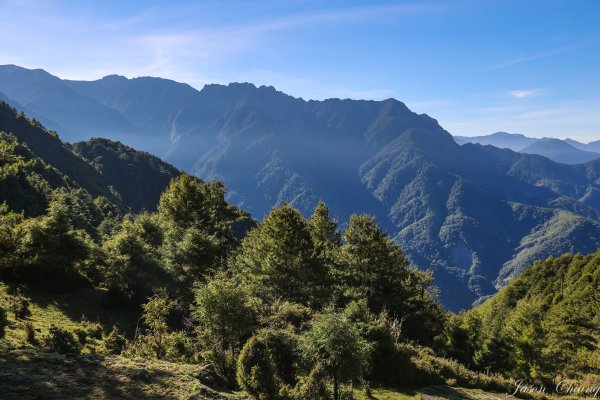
point(179, 346)
point(420, 367)
point(256, 370)
point(3, 321)
point(335, 342)
point(312, 386)
point(286, 314)
point(29, 332)
point(19, 305)
point(283, 346)
point(81, 335)
point(226, 318)
point(61, 341)
point(94, 330)
point(115, 342)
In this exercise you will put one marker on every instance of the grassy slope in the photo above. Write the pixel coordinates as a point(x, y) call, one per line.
point(68, 311)
point(27, 374)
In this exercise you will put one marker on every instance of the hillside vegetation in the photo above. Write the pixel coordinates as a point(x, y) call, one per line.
point(545, 322)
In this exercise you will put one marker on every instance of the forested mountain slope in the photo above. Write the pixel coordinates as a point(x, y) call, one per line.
point(130, 179)
point(544, 321)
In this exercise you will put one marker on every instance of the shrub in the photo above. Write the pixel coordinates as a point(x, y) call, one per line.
point(29, 332)
point(81, 335)
point(420, 367)
point(312, 386)
point(286, 314)
point(256, 370)
point(19, 305)
point(61, 341)
point(115, 342)
point(283, 346)
point(179, 346)
point(226, 318)
point(94, 330)
point(335, 342)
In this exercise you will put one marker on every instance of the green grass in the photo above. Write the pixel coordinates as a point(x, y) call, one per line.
point(29, 374)
point(433, 393)
point(69, 311)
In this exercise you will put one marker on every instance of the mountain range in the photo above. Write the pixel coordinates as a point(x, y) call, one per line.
point(476, 215)
point(567, 151)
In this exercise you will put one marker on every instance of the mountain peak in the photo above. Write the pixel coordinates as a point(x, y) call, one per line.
point(114, 78)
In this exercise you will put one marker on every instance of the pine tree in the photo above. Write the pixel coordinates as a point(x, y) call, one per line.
point(373, 266)
point(277, 259)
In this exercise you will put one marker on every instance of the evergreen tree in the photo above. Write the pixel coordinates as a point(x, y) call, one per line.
point(189, 202)
point(373, 266)
point(11, 234)
point(156, 312)
point(277, 259)
point(323, 230)
point(132, 264)
point(225, 317)
point(335, 343)
point(51, 250)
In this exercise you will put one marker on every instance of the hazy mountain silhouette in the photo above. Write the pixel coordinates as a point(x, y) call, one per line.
point(567, 151)
point(559, 151)
point(503, 140)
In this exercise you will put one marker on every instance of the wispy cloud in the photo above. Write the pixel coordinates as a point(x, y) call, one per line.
point(523, 94)
point(536, 56)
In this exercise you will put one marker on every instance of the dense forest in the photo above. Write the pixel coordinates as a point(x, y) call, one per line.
point(285, 308)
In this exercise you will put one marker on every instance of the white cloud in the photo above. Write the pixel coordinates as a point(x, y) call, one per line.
point(523, 94)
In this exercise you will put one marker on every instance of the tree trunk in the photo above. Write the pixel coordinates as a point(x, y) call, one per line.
point(336, 394)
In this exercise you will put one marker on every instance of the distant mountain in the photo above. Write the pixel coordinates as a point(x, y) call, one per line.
point(502, 140)
point(47, 98)
point(567, 151)
point(559, 151)
point(476, 215)
point(593, 146)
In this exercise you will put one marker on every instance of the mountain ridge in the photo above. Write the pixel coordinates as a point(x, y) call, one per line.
point(474, 214)
point(567, 151)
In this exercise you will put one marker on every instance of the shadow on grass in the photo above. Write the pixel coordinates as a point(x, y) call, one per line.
point(93, 304)
point(31, 375)
point(444, 392)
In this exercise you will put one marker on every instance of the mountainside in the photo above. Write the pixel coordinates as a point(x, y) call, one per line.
point(137, 176)
point(567, 151)
point(476, 215)
point(547, 319)
point(130, 179)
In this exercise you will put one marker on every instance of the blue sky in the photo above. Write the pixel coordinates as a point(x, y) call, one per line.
point(530, 67)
